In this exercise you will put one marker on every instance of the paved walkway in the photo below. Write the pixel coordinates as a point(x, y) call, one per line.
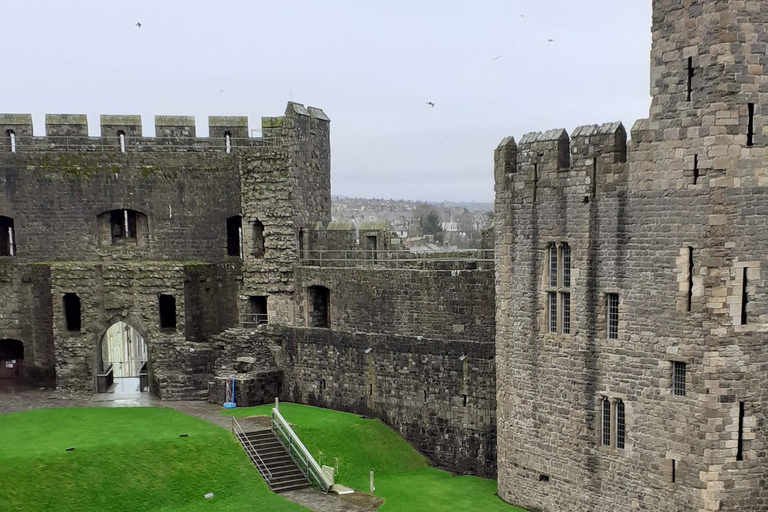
point(17, 398)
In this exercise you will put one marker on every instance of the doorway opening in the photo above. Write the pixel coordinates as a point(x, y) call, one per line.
point(124, 365)
point(11, 360)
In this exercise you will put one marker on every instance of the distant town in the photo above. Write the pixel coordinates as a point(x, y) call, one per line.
point(420, 224)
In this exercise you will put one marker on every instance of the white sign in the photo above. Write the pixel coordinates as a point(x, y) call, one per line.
point(8, 365)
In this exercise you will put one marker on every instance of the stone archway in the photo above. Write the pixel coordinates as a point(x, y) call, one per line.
point(11, 359)
point(123, 360)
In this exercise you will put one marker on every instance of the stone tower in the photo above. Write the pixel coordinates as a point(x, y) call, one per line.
point(631, 299)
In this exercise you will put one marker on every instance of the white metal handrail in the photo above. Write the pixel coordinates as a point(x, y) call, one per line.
point(299, 452)
point(249, 448)
point(394, 258)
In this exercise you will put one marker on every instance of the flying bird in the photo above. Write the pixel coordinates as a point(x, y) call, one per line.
point(138, 25)
point(497, 58)
point(430, 104)
point(550, 40)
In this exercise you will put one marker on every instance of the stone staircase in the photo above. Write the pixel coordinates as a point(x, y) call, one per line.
point(285, 475)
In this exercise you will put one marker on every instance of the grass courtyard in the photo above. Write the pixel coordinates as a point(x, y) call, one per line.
point(403, 477)
point(132, 459)
point(125, 460)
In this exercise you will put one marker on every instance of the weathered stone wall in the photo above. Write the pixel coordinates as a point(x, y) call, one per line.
point(442, 304)
point(691, 184)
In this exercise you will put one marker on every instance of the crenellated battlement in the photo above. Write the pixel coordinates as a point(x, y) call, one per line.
point(124, 133)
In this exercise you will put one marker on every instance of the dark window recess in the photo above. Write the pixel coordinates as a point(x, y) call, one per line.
point(740, 446)
point(302, 244)
point(691, 73)
point(465, 400)
point(612, 314)
point(258, 239)
point(322, 384)
point(7, 237)
point(370, 389)
point(674, 470)
point(123, 224)
point(751, 125)
point(535, 181)
point(235, 236)
point(544, 478)
point(690, 278)
point(679, 371)
point(695, 169)
point(621, 426)
point(425, 396)
point(744, 297)
point(72, 313)
point(594, 177)
point(258, 310)
point(167, 311)
point(11, 349)
point(319, 300)
point(606, 434)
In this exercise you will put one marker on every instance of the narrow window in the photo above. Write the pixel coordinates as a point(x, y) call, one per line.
point(370, 389)
point(621, 428)
point(12, 140)
point(465, 400)
point(425, 396)
point(544, 478)
point(535, 181)
point(695, 169)
point(553, 265)
point(302, 244)
point(371, 247)
point(690, 278)
point(594, 177)
point(323, 386)
point(258, 239)
point(751, 125)
point(72, 313)
point(744, 297)
point(612, 307)
point(678, 377)
point(167, 311)
point(552, 311)
point(566, 252)
point(228, 141)
point(318, 298)
point(7, 237)
point(690, 77)
point(740, 447)
point(121, 138)
point(606, 437)
point(258, 311)
point(674, 470)
point(235, 236)
point(566, 325)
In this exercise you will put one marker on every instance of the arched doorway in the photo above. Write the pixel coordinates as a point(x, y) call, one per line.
point(11, 359)
point(124, 361)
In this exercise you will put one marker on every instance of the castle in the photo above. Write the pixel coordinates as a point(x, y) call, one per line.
point(632, 366)
point(606, 355)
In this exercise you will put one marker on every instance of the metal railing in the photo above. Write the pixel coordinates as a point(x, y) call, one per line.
point(105, 379)
point(251, 450)
point(461, 259)
point(298, 452)
point(253, 319)
point(129, 144)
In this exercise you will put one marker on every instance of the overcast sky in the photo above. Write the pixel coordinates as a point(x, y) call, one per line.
point(488, 67)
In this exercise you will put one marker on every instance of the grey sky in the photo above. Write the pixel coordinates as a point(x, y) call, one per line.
point(372, 66)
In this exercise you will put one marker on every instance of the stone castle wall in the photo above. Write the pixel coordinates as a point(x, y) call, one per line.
point(671, 224)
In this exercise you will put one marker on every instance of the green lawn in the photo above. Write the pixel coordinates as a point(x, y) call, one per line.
point(125, 460)
point(403, 477)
